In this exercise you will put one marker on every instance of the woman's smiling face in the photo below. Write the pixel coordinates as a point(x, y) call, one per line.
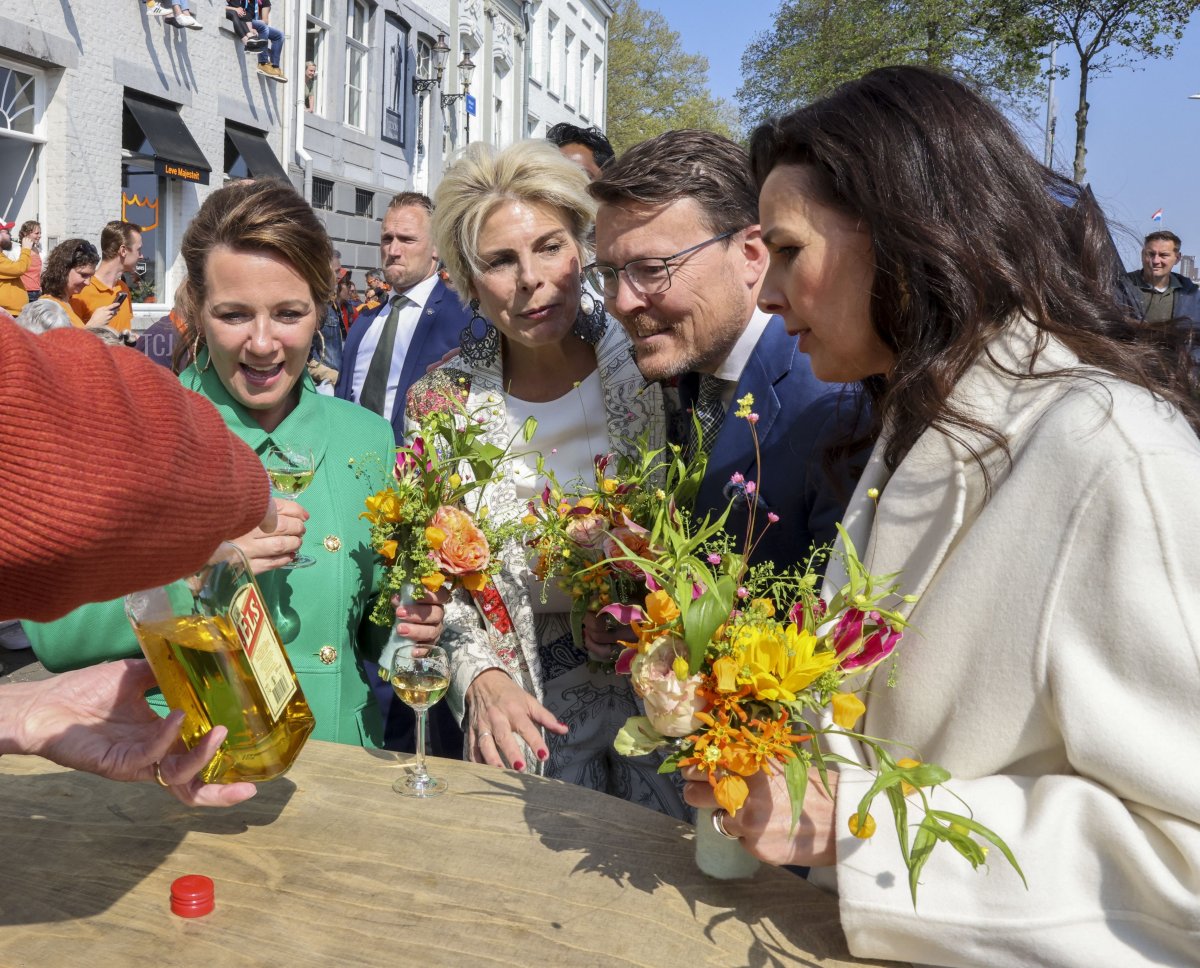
point(258, 319)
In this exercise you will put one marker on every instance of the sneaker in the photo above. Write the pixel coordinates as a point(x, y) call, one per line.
point(254, 45)
point(277, 74)
point(156, 9)
point(265, 71)
point(185, 19)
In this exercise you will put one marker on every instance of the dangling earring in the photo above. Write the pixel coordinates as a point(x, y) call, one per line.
point(197, 346)
point(479, 350)
point(591, 321)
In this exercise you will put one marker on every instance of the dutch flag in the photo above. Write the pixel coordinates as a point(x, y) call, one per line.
point(1157, 216)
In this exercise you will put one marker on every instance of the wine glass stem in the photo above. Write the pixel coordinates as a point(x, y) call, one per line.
point(421, 776)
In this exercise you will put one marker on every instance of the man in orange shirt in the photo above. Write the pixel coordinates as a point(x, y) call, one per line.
point(13, 296)
point(120, 251)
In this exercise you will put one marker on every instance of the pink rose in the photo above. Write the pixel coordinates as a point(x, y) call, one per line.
point(586, 528)
point(671, 704)
point(456, 544)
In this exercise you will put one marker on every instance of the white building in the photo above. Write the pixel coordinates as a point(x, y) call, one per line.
point(107, 112)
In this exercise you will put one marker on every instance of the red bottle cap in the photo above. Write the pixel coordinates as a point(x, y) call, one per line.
point(192, 896)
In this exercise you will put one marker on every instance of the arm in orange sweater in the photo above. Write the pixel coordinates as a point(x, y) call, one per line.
point(113, 477)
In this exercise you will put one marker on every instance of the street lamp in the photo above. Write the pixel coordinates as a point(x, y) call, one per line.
point(440, 51)
point(466, 68)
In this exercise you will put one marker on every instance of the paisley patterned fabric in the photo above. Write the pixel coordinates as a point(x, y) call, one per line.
point(538, 652)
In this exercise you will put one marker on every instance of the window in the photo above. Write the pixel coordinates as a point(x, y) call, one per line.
point(583, 89)
point(568, 95)
point(358, 18)
point(531, 126)
point(597, 113)
point(498, 122)
point(322, 194)
point(537, 45)
point(22, 136)
point(316, 53)
point(395, 74)
point(364, 203)
point(551, 61)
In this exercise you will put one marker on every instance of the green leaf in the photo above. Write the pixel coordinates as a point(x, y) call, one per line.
point(528, 428)
point(795, 772)
point(923, 845)
point(637, 737)
point(984, 832)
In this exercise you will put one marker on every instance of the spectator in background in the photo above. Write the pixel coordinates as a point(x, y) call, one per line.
point(1165, 295)
point(586, 147)
point(68, 269)
point(257, 15)
point(237, 15)
point(43, 315)
point(177, 14)
point(120, 251)
point(12, 292)
point(310, 86)
point(31, 236)
point(161, 337)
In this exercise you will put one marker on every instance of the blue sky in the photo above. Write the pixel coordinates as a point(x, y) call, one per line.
point(1143, 133)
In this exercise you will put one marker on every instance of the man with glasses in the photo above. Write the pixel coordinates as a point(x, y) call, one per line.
point(680, 259)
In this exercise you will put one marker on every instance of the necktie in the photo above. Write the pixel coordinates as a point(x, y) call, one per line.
point(709, 410)
point(374, 391)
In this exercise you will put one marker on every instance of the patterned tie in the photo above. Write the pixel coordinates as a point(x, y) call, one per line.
point(709, 410)
point(374, 391)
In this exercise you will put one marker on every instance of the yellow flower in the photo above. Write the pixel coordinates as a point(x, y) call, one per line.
point(388, 549)
point(383, 506)
point(847, 709)
point(475, 581)
point(434, 582)
point(743, 405)
point(529, 520)
point(455, 480)
point(608, 485)
point(661, 608)
point(868, 828)
point(435, 536)
point(907, 763)
point(763, 606)
point(731, 792)
point(781, 662)
point(725, 670)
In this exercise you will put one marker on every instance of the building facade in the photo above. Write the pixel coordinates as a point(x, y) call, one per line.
point(108, 112)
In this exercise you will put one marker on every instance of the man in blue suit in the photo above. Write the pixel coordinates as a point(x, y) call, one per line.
point(680, 260)
point(389, 348)
point(386, 351)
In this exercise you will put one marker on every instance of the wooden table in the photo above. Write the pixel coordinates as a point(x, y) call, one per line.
point(327, 866)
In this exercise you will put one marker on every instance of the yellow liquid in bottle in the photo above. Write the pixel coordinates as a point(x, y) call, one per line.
point(202, 669)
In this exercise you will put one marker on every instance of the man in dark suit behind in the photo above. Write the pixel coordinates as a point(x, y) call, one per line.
point(680, 259)
point(386, 351)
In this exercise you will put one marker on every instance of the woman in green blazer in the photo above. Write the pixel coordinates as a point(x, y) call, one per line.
point(258, 279)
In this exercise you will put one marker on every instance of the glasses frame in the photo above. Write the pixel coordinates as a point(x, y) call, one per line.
point(666, 260)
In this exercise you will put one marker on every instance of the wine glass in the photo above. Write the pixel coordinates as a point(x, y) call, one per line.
point(291, 471)
point(420, 674)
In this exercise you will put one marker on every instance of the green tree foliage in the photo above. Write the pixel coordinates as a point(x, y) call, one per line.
point(816, 45)
point(654, 85)
point(1108, 34)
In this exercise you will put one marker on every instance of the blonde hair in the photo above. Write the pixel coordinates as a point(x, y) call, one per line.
point(484, 177)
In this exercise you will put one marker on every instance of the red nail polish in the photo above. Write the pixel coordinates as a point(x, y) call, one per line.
point(518, 765)
point(542, 754)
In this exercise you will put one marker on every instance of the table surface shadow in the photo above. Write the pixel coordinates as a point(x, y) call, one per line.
point(327, 866)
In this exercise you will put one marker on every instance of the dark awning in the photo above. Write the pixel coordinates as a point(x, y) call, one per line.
point(175, 150)
point(256, 153)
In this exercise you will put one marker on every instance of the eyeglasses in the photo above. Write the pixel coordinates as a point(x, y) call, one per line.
point(646, 276)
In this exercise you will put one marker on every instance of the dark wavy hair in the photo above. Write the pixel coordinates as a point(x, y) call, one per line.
point(66, 256)
point(968, 230)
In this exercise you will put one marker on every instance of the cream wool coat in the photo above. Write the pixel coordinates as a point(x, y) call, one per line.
point(1053, 668)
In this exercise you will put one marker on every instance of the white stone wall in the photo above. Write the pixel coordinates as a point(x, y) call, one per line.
point(565, 98)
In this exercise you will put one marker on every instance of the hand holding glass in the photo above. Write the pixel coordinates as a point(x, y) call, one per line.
point(420, 675)
point(291, 471)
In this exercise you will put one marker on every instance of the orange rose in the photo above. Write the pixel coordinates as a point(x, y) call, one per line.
point(464, 549)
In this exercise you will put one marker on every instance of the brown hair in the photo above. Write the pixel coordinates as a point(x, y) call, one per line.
point(1164, 236)
point(66, 256)
point(27, 227)
point(414, 199)
point(115, 235)
point(968, 231)
point(705, 167)
point(266, 215)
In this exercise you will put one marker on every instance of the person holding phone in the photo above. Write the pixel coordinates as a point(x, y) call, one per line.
point(120, 251)
point(69, 268)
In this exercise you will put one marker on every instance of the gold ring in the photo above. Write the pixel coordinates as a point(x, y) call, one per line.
point(158, 777)
point(718, 822)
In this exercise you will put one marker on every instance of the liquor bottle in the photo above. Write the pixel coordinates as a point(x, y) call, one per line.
point(216, 655)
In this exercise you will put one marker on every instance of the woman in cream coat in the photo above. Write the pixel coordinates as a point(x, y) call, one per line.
point(512, 228)
point(1036, 471)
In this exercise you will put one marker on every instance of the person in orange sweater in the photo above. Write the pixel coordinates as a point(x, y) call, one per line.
point(94, 446)
point(13, 296)
point(120, 252)
point(68, 270)
point(31, 236)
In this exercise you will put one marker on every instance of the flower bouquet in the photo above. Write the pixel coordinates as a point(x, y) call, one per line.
point(746, 669)
point(424, 522)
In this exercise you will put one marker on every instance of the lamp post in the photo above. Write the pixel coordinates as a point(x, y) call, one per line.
point(440, 51)
point(466, 68)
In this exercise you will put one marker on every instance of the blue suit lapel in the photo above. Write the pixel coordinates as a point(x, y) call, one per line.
point(345, 383)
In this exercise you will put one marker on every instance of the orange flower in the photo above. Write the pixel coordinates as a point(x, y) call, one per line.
point(464, 549)
point(434, 582)
point(725, 670)
point(383, 506)
point(847, 709)
point(388, 549)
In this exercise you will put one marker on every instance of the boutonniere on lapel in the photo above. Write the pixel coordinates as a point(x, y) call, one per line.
point(745, 670)
point(427, 522)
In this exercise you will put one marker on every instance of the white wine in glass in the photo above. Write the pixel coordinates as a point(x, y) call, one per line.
point(420, 675)
point(291, 471)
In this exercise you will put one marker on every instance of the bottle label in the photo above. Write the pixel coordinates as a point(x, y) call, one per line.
point(263, 649)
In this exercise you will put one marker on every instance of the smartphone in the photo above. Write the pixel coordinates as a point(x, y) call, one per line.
point(120, 300)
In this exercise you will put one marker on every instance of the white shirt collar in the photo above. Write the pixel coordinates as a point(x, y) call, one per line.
point(733, 364)
point(420, 293)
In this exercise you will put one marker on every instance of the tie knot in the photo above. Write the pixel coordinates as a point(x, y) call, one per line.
point(398, 299)
point(711, 389)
